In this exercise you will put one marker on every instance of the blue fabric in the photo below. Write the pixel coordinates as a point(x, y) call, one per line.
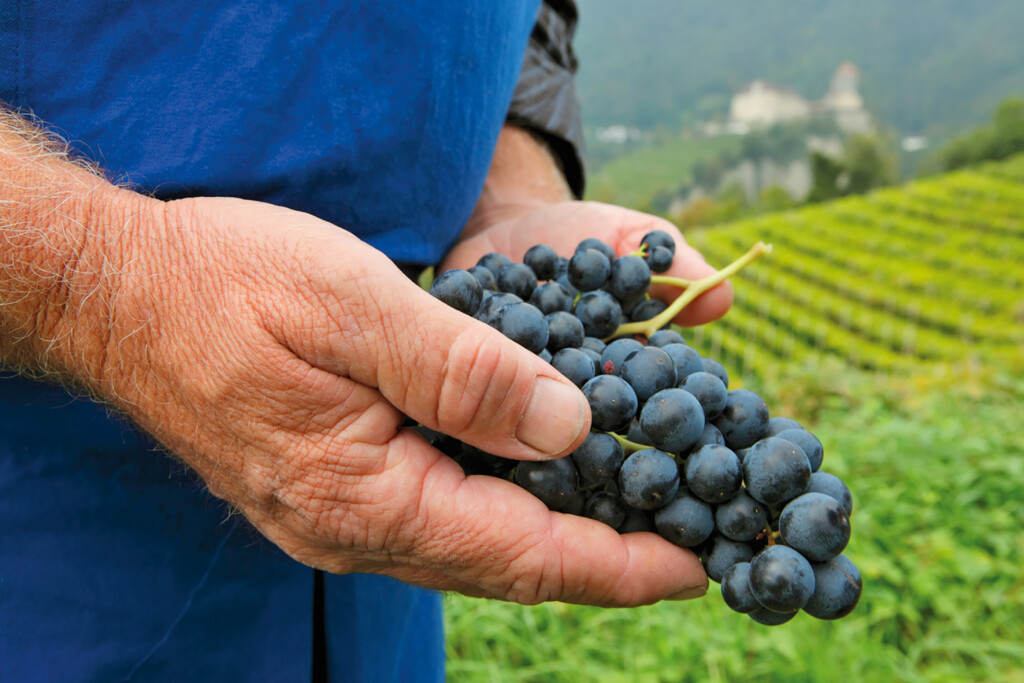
point(115, 564)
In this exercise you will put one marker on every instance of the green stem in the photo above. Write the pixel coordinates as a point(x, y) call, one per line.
point(695, 289)
point(669, 280)
point(627, 445)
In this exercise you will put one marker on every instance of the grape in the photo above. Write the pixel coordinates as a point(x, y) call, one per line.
point(614, 355)
point(589, 269)
point(831, 485)
point(715, 368)
point(686, 359)
point(492, 303)
point(742, 518)
point(565, 331)
point(665, 337)
point(659, 238)
point(710, 436)
point(595, 357)
point(837, 589)
point(594, 243)
point(736, 589)
point(660, 259)
point(542, 260)
point(808, 443)
point(459, 289)
point(744, 420)
point(550, 297)
point(646, 309)
point(648, 479)
point(816, 525)
point(779, 424)
point(523, 324)
point(767, 617)
point(636, 433)
point(574, 364)
point(781, 579)
point(494, 262)
point(518, 279)
point(713, 474)
point(553, 481)
point(775, 471)
point(707, 389)
point(599, 312)
point(630, 277)
point(686, 521)
point(612, 402)
point(637, 520)
point(563, 280)
point(593, 343)
point(606, 507)
point(598, 459)
point(648, 370)
point(722, 554)
point(673, 420)
point(485, 277)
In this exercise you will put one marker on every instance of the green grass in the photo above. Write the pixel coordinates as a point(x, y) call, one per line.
point(633, 180)
point(937, 473)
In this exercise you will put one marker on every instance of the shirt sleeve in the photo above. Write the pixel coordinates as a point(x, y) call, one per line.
point(545, 100)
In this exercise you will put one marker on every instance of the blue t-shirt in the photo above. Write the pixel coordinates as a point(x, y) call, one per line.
point(115, 563)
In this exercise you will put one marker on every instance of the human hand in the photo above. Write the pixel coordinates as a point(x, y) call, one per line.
point(563, 225)
point(278, 356)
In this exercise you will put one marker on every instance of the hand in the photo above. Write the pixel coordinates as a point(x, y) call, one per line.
point(278, 355)
point(563, 225)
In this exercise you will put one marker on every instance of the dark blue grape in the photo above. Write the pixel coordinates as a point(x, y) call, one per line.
point(518, 279)
point(553, 481)
point(459, 289)
point(710, 436)
point(494, 262)
point(492, 303)
point(589, 269)
point(775, 471)
point(577, 367)
point(545, 356)
point(779, 424)
point(837, 589)
point(599, 312)
point(637, 520)
point(709, 390)
point(636, 433)
point(612, 402)
point(593, 343)
point(646, 309)
point(714, 474)
point(722, 554)
point(736, 589)
point(686, 521)
point(715, 368)
point(673, 420)
point(648, 370)
point(568, 286)
point(576, 504)
point(686, 359)
point(542, 260)
point(594, 243)
point(523, 324)
point(808, 443)
point(550, 297)
point(659, 238)
point(594, 356)
point(485, 277)
point(742, 518)
point(648, 479)
point(598, 459)
point(816, 525)
point(660, 259)
point(630, 277)
point(614, 354)
point(565, 331)
point(665, 337)
point(831, 485)
point(744, 420)
point(781, 579)
point(606, 507)
point(767, 617)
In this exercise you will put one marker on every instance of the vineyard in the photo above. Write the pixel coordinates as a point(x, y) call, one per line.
point(929, 274)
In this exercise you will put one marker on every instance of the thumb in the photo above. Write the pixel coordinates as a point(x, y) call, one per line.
point(457, 375)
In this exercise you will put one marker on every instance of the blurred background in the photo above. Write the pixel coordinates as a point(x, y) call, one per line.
point(879, 146)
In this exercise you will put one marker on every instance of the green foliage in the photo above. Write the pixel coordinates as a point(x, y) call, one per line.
point(866, 163)
point(1000, 140)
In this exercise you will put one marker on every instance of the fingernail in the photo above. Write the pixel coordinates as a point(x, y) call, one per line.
point(554, 417)
point(689, 593)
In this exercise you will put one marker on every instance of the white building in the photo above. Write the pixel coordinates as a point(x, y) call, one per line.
point(762, 105)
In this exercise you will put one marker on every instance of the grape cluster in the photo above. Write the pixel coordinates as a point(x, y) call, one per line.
point(671, 450)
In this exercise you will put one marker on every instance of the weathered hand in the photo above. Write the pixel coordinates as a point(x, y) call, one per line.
point(278, 355)
point(563, 225)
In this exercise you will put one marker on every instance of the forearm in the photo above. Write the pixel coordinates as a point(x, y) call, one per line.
point(523, 176)
point(61, 228)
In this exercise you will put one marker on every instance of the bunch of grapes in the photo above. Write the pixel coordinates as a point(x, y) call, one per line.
point(671, 449)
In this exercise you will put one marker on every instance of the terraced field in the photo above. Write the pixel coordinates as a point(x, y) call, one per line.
point(931, 273)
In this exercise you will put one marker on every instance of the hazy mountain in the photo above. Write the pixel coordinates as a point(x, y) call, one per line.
point(927, 66)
